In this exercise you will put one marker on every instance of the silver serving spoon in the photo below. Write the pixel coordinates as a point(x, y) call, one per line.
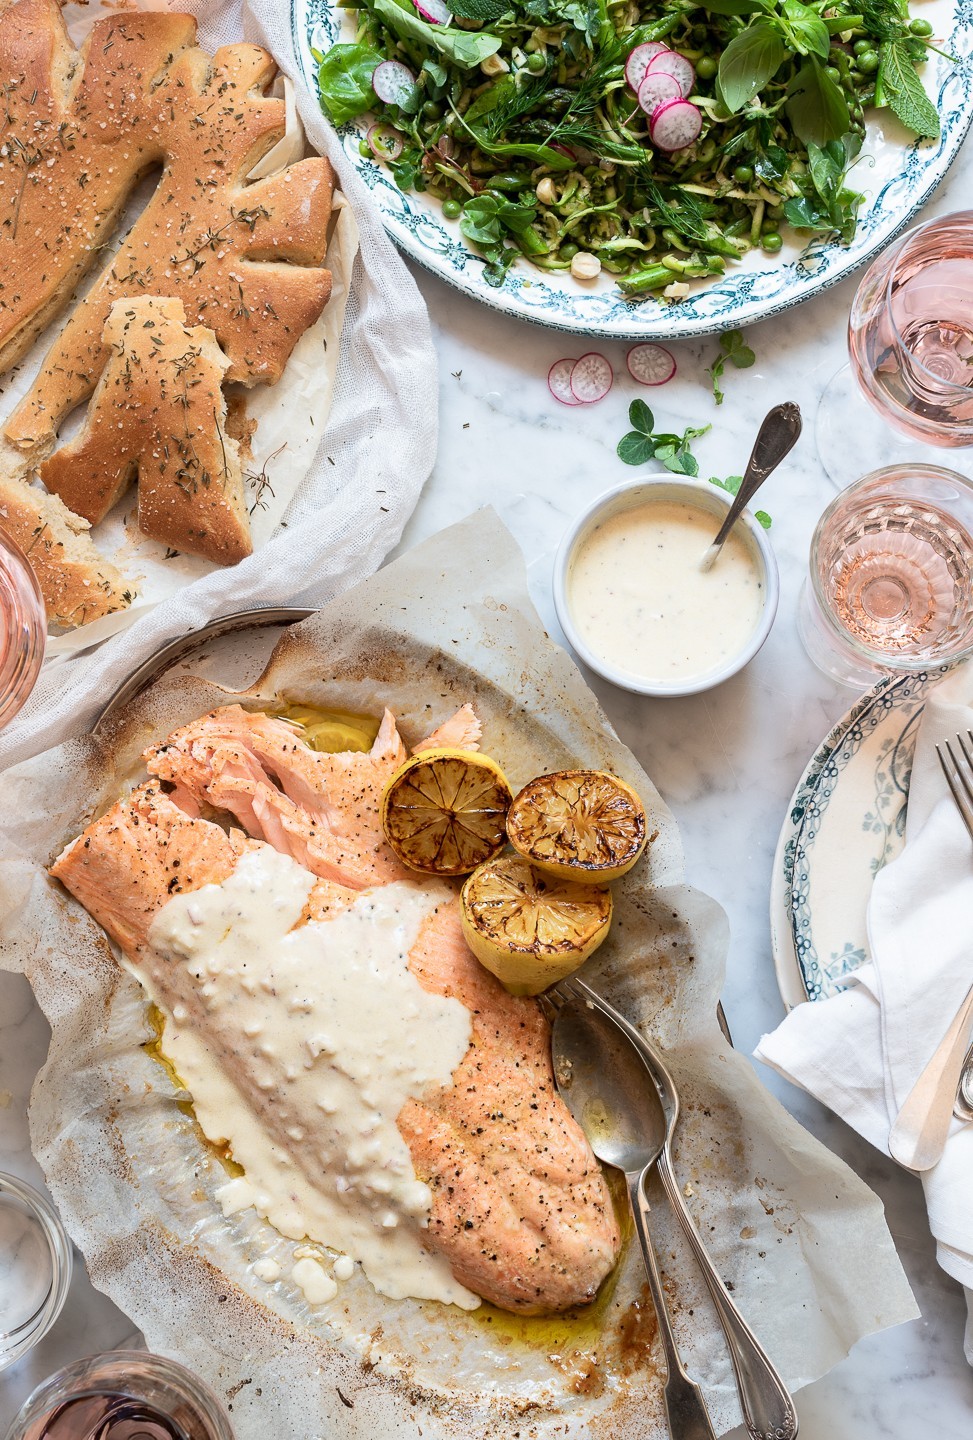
point(609, 1091)
point(776, 438)
point(640, 1088)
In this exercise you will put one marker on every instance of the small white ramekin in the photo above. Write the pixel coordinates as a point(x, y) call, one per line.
point(712, 501)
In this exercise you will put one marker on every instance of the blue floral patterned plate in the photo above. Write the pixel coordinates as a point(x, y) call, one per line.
point(845, 821)
point(897, 174)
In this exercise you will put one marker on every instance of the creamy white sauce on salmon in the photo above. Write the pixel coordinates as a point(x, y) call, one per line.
point(640, 601)
point(300, 1047)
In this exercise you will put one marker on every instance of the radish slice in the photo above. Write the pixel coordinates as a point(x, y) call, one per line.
point(650, 364)
point(559, 382)
point(675, 125)
point(393, 82)
point(639, 60)
point(561, 149)
point(591, 378)
point(678, 67)
point(434, 11)
point(656, 89)
point(384, 142)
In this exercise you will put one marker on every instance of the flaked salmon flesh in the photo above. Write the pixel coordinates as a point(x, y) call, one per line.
point(520, 1208)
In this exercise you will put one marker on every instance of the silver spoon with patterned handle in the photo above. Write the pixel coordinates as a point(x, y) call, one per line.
point(768, 1409)
point(608, 1090)
point(776, 438)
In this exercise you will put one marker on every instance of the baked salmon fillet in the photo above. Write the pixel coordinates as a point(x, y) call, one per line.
point(519, 1207)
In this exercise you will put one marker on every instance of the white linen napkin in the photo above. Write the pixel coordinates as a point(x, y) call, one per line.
point(861, 1051)
point(377, 450)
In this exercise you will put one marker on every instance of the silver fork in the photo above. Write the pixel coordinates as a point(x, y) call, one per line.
point(959, 778)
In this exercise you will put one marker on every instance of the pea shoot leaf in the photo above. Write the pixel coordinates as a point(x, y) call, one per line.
point(816, 107)
point(735, 351)
point(640, 417)
point(732, 484)
point(641, 444)
point(902, 90)
point(748, 62)
point(636, 449)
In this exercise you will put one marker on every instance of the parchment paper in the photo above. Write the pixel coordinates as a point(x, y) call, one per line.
point(290, 416)
point(801, 1240)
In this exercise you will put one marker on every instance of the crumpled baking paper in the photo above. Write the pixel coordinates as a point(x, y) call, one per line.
point(800, 1239)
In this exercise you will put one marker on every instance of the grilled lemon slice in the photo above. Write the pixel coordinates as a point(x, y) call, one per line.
point(583, 825)
point(443, 811)
point(529, 929)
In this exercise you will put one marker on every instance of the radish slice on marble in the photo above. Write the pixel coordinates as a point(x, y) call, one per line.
point(434, 11)
point(675, 124)
point(650, 364)
point(393, 82)
point(591, 378)
point(656, 89)
point(639, 60)
point(559, 382)
point(384, 142)
point(681, 70)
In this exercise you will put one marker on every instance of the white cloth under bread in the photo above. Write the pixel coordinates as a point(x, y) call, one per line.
point(381, 436)
point(861, 1051)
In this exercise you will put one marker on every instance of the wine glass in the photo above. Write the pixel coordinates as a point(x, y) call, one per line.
point(909, 383)
point(23, 628)
point(890, 582)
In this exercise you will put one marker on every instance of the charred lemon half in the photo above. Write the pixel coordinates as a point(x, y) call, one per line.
point(444, 811)
point(531, 929)
point(583, 825)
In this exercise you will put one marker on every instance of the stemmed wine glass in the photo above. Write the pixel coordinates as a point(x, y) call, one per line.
point(909, 383)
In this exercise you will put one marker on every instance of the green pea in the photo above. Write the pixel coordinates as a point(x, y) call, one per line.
point(921, 27)
point(869, 62)
point(771, 242)
point(743, 174)
point(536, 62)
point(452, 209)
point(769, 227)
point(568, 251)
point(861, 47)
point(706, 67)
point(720, 112)
point(833, 73)
point(365, 149)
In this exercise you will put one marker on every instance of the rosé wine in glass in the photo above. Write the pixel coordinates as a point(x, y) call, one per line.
point(23, 629)
point(910, 334)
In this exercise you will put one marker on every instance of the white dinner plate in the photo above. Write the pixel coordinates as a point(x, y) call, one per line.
point(845, 821)
point(896, 173)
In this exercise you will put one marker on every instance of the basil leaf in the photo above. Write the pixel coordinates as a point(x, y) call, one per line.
point(807, 29)
point(816, 108)
point(733, 7)
point(903, 91)
point(748, 62)
point(635, 449)
point(466, 47)
point(640, 417)
point(345, 81)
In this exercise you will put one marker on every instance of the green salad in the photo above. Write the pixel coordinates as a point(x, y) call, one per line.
point(656, 143)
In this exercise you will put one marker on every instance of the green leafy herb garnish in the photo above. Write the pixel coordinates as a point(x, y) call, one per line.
point(641, 444)
point(735, 350)
point(732, 484)
point(899, 87)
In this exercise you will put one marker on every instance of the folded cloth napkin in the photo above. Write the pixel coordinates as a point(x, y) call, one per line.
point(861, 1051)
point(375, 455)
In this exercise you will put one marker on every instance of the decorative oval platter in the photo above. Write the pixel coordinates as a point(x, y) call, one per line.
point(845, 821)
point(897, 174)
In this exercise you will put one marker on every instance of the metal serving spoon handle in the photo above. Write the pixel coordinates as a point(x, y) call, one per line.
point(768, 1410)
point(776, 438)
point(685, 1406)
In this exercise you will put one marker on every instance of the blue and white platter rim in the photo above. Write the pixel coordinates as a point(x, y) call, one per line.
point(895, 706)
point(757, 290)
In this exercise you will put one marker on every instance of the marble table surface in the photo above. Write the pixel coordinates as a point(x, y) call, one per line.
point(726, 762)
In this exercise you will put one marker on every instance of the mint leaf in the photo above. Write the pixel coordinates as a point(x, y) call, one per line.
point(816, 108)
point(748, 62)
point(345, 81)
point(640, 417)
point(903, 92)
point(485, 11)
point(636, 449)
